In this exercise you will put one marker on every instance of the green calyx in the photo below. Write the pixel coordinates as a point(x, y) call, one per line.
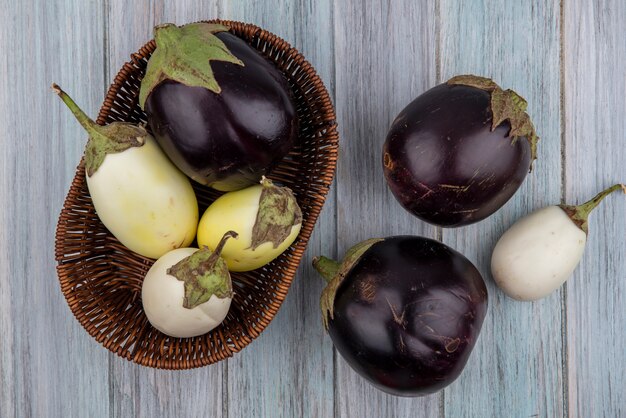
point(278, 213)
point(506, 105)
point(334, 273)
point(184, 54)
point(580, 214)
point(205, 274)
point(103, 140)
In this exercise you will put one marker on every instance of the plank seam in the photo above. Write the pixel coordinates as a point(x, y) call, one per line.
point(106, 43)
point(564, 339)
point(439, 230)
point(333, 92)
point(105, 77)
point(225, 389)
point(438, 42)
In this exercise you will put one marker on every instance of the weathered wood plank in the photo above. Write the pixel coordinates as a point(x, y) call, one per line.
point(519, 351)
point(138, 391)
point(595, 99)
point(288, 370)
point(8, 350)
point(385, 56)
point(379, 57)
point(49, 365)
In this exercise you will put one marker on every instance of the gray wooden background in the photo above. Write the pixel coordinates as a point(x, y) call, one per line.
point(561, 356)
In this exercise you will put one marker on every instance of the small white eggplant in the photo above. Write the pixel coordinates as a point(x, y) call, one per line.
point(187, 292)
point(540, 251)
point(266, 217)
point(138, 194)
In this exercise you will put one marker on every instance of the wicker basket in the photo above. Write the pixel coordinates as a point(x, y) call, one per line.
point(101, 279)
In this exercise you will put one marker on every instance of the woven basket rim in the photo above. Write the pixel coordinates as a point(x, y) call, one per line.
point(331, 135)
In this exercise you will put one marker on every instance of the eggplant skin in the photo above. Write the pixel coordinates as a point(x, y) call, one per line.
point(226, 140)
point(408, 314)
point(445, 165)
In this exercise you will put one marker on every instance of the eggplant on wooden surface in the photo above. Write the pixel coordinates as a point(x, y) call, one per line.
point(459, 151)
point(405, 312)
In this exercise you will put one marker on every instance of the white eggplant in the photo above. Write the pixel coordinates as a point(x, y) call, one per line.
point(266, 217)
point(188, 292)
point(138, 194)
point(540, 251)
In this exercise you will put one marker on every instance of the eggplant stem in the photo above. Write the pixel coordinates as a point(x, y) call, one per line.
point(580, 214)
point(586, 208)
point(327, 267)
point(81, 116)
point(265, 182)
point(220, 246)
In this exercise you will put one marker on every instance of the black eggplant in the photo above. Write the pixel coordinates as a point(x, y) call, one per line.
point(221, 111)
point(404, 312)
point(458, 152)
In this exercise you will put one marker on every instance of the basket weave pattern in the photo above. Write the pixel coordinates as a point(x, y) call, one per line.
point(101, 279)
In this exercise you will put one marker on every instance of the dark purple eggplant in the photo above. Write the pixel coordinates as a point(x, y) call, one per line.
point(221, 111)
point(458, 152)
point(404, 312)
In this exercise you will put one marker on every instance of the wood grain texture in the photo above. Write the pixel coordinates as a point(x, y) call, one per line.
point(384, 57)
point(561, 356)
point(49, 366)
point(519, 353)
point(139, 391)
point(8, 350)
point(288, 370)
point(595, 152)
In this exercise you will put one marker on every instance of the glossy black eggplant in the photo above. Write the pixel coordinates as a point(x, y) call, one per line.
point(404, 312)
point(458, 152)
point(227, 131)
